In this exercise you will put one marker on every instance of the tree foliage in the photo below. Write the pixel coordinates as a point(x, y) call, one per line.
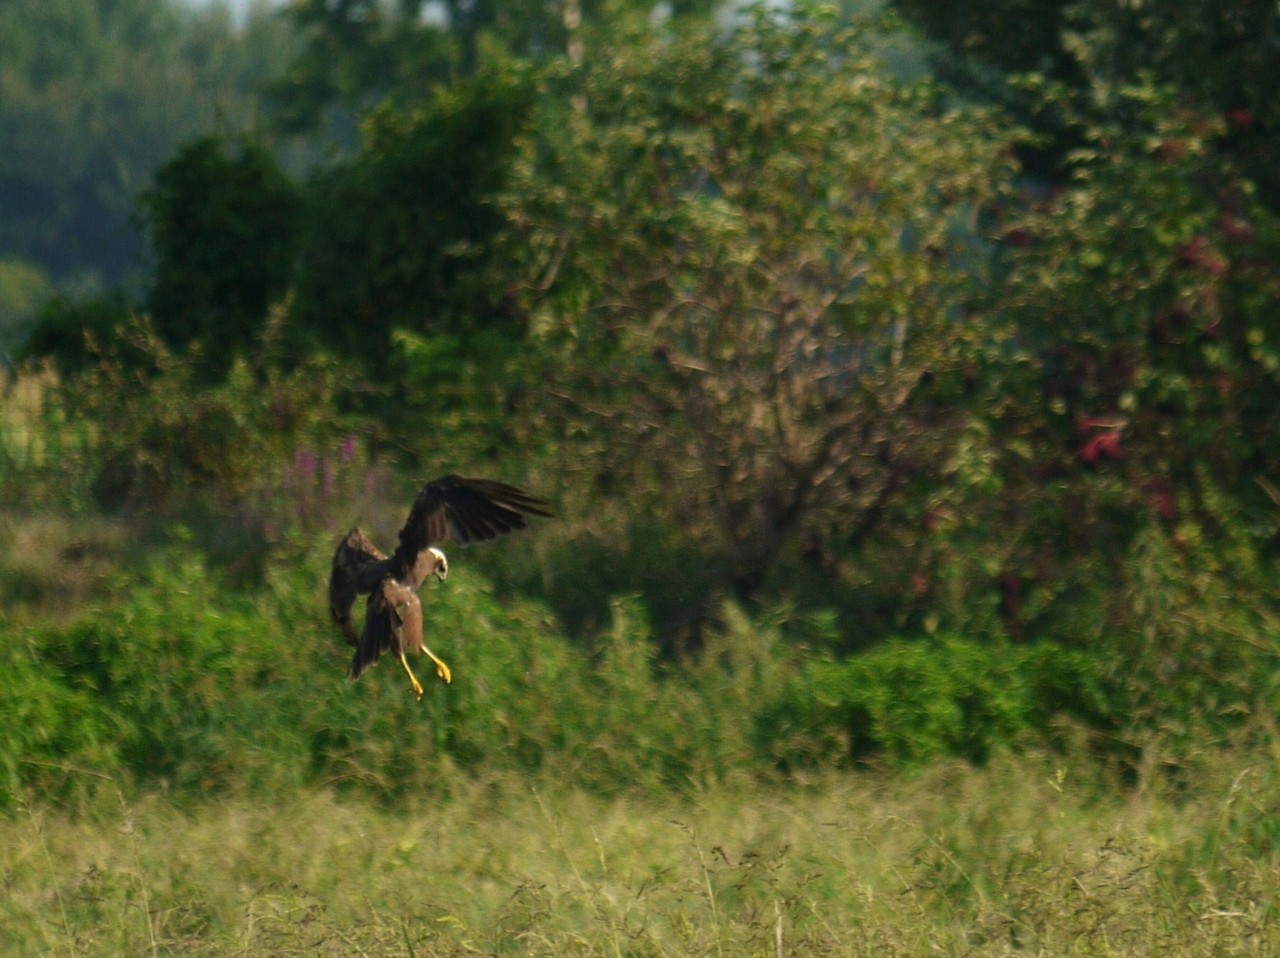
point(1221, 58)
point(1133, 403)
point(1143, 288)
point(761, 270)
point(359, 53)
point(225, 227)
point(1134, 275)
point(399, 237)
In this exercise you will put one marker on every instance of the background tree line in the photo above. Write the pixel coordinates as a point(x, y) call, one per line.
point(982, 351)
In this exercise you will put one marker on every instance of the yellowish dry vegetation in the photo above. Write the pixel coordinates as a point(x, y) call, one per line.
point(22, 412)
point(52, 564)
point(1023, 857)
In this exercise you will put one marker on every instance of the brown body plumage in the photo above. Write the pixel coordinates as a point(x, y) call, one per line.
point(464, 510)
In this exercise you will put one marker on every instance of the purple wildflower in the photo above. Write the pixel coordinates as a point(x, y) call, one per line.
point(305, 461)
point(326, 482)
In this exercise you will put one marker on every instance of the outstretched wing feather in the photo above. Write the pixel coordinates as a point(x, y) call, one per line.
point(466, 510)
point(352, 567)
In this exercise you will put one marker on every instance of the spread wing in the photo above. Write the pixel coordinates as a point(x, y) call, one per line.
point(357, 566)
point(464, 510)
point(392, 621)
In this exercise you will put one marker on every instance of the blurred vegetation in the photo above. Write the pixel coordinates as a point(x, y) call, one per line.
point(1218, 59)
point(93, 97)
point(885, 419)
point(1035, 854)
point(911, 433)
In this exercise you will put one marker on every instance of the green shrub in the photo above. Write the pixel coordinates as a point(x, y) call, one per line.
point(67, 332)
point(179, 677)
point(159, 433)
point(909, 701)
point(185, 685)
point(1200, 654)
point(53, 731)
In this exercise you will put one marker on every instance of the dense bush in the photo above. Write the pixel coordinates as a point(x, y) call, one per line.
point(180, 685)
point(224, 223)
point(184, 685)
point(160, 431)
point(909, 701)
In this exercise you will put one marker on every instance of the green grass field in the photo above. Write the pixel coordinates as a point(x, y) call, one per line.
point(1024, 857)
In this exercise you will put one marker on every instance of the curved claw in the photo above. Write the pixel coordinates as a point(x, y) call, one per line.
point(417, 686)
point(442, 670)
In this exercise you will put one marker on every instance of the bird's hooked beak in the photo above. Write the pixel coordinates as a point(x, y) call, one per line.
point(441, 570)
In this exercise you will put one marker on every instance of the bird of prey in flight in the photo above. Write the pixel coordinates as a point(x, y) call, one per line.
point(464, 510)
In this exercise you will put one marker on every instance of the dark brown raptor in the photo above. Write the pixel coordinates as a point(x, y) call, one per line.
point(449, 508)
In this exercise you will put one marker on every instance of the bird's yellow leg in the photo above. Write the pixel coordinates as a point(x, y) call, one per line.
point(442, 670)
point(417, 686)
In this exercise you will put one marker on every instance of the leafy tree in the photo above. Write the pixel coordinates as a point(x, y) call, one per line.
point(358, 53)
point(224, 226)
point(1013, 36)
point(1135, 401)
point(1146, 290)
point(759, 278)
point(1220, 57)
point(1135, 288)
point(399, 236)
point(354, 53)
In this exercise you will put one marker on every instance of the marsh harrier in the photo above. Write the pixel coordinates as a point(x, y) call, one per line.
point(449, 508)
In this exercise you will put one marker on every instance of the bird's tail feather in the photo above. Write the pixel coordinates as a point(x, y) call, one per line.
point(375, 640)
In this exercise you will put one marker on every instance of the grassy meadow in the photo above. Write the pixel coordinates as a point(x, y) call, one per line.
point(1027, 856)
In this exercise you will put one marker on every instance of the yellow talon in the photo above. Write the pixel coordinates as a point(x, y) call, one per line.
point(417, 686)
point(442, 670)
